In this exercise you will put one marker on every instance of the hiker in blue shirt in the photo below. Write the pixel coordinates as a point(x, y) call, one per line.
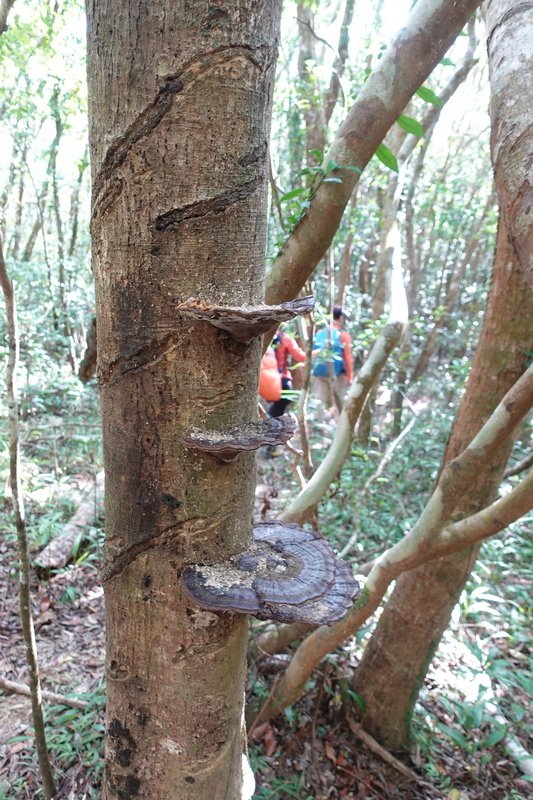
point(332, 362)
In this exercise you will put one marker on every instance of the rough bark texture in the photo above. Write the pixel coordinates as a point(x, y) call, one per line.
point(397, 657)
point(409, 59)
point(180, 98)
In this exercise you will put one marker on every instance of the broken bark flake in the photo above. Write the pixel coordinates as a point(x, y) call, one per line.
point(288, 574)
point(245, 323)
point(227, 444)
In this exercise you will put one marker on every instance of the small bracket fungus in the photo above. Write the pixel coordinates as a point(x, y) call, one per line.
point(244, 324)
point(227, 444)
point(289, 574)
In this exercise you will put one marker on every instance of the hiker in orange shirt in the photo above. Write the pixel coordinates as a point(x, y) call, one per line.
point(269, 378)
point(286, 349)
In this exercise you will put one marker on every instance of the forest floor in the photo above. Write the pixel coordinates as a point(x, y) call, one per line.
point(308, 753)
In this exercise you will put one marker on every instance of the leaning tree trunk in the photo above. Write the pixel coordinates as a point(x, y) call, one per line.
point(398, 655)
point(180, 99)
point(400, 650)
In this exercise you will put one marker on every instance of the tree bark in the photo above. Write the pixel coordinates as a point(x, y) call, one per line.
point(509, 31)
point(179, 101)
point(400, 650)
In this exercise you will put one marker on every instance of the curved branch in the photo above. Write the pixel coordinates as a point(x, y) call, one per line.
point(424, 542)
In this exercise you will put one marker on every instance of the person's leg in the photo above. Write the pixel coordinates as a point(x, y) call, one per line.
point(280, 406)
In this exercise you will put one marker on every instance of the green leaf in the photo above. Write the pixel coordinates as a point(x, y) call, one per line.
point(447, 62)
point(455, 735)
point(387, 157)
point(429, 96)
point(410, 125)
point(496, 736)
point(291, 194)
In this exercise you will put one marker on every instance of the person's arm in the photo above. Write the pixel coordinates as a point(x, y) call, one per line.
point(346, 341)
point(294, 349)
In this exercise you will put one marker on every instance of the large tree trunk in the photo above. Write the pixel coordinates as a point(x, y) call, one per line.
point(180, 99)
point(509, 32)
point(409, 630)
point(397, 657)
point(399, 652)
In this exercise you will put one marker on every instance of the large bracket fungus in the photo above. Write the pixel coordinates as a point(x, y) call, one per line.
point(244, 323)
point(228, 443)
point(289, 574)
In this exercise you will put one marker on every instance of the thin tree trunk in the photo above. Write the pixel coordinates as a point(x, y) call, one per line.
point(75, 204)
point(346, 259)
point(17, 226)
point(20, 524)
point(339, 64)
point(313, 112)
point(41, 199)
point(179, 163)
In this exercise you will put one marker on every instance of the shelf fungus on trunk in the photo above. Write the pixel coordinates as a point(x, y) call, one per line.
point(288, 574)
point(227, 444)
point(245, 323)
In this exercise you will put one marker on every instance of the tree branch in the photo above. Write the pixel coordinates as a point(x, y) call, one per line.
point(423, 542)
point(59, 699)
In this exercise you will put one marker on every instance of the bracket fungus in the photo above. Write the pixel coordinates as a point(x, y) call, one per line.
point(227, 444)
point(288, 574)
point(245, 323)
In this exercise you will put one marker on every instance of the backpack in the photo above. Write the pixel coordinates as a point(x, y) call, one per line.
point(330, 359)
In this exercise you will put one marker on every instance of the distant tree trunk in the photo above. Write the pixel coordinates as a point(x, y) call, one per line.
point(339, 64)
point(179, 101)
point(345, 271)
point(313, 110)
point(17, 226)
point(75, 204)
point(87, 368)
point(400, 650)
point(5, 8)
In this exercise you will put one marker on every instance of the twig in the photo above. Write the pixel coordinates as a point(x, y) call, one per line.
point(376, 748)
point(20, 688)
point(520, 467)
point(20, 524)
